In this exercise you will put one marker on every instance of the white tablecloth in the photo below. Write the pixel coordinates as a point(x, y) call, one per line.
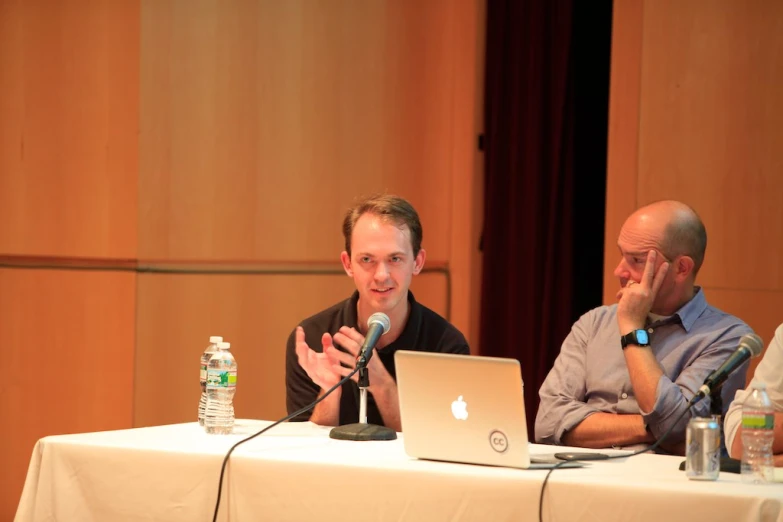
point(295, 472)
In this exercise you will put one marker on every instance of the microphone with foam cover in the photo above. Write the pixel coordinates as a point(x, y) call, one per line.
point(750, 345)
point(377, 325)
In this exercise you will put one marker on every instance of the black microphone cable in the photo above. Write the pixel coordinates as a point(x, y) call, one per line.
point(652, 447)
point(287, 417)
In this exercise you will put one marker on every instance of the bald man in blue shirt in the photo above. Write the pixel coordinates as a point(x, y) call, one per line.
point(626, 372)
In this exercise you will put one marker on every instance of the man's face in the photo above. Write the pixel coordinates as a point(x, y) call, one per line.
point(637, 237)
point(381, 263)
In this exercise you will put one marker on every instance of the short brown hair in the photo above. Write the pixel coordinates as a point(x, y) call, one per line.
point(390, 208)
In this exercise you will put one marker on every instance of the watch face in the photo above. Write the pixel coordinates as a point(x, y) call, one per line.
point(641, 336)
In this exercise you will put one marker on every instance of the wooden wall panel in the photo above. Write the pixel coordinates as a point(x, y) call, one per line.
point(68, 127)
point(238, 130)
point(711, 119)
point(68, 340)
point(69, 106)
point(622, 154)
point(178, 313)
point(261, 122)
point(705, 129)
point(467, 167)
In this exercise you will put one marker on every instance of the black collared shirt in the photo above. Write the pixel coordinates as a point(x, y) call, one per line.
point(425, 331)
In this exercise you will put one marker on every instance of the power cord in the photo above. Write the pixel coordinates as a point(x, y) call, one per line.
point(652, 447)
point(287, 417)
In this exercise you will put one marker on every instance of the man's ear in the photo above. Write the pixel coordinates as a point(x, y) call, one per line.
point(418, 262)
point(683, 267)
point(346, 260)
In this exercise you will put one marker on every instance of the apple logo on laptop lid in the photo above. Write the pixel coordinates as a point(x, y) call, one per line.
point(459, 409)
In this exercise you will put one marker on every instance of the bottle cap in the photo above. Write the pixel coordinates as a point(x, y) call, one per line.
point(224, 345)
point(215, 339)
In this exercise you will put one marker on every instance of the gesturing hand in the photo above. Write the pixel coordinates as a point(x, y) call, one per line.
point(352, 341)
point(323, 368)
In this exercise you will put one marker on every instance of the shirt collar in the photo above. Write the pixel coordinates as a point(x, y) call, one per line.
point(690, 311)
point(409, 333)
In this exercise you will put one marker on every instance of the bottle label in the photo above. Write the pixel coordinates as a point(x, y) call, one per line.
point(203, 373)
point(758, 421)
point(221, 378)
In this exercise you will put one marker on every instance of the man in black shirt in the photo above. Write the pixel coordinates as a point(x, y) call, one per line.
point(383, 252)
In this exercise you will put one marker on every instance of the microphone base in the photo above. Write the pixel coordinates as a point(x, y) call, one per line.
point(362, 431)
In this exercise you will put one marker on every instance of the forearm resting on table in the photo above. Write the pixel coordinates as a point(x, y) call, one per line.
point(327, 412)
point(604, 430)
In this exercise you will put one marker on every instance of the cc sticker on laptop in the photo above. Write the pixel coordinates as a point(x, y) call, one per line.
point(498, 441)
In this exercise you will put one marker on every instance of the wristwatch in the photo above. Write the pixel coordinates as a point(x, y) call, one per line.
point(636, 338)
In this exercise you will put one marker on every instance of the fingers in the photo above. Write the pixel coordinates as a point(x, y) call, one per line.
point(349, 339)
point(340, 363)
point(302, 350)
point(649, 269)
point(326, 341)
point(352, 334)
point(652, 278)
point(300, 335)
point(303, 357)
point(338, 357)
point(660, 275)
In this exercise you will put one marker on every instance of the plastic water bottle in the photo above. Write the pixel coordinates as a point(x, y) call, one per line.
point(758, 422)
point(205, 357)
point(221, 385)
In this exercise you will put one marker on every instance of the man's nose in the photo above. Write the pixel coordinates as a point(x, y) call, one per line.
point(621, 271)
point(382, 272)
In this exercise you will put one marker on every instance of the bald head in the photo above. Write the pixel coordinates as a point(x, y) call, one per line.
point(680, 228)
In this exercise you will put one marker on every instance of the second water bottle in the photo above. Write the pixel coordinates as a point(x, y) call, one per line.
point(221, 386)
point(758, 434)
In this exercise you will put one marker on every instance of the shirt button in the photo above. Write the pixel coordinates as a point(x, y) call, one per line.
point(650, 330)
point(623, 395)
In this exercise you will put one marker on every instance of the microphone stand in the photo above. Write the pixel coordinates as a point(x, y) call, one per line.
point(361, 430)
point(716, 403)
point(716, 409)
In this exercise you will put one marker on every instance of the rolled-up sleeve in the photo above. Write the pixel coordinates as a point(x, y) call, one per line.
point(673, 396)
point(562, 395)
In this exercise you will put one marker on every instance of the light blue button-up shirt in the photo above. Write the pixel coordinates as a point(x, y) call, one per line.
point(590, 374)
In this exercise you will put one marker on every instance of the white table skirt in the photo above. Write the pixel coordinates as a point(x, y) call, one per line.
point(295, 472)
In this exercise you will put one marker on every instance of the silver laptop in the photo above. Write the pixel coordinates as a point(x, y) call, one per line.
point(464, 408)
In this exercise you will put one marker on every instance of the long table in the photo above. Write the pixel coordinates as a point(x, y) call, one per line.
point(295, 472)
